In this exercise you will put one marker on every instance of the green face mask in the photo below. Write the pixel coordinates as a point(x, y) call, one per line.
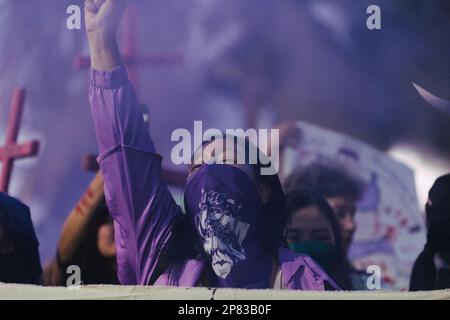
point(323, 253)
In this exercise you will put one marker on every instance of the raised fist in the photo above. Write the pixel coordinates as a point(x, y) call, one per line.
point(103, 16)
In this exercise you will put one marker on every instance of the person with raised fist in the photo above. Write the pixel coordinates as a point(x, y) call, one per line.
point(231, 233)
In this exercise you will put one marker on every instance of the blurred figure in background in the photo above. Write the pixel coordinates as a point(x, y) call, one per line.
point(19, 255)
point(313, 230)
point(87, 240)
point(342, 190)
point(431, 270)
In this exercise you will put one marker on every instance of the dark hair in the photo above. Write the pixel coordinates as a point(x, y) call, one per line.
point(275, 213)
point(328, 178)
point(302, 198)
point(185, 243)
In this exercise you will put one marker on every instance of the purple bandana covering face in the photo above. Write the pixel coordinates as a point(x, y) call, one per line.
point(226, 209)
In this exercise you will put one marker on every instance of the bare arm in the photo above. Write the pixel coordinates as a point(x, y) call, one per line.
point(79, 220)
point(102, 22)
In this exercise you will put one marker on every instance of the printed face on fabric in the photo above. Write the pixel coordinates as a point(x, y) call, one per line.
point(222, 230)
point(225, 208)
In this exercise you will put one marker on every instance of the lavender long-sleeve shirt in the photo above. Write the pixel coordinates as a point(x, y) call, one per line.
point(139, 201)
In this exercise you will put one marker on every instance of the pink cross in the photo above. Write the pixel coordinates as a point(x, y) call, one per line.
point(172, 177)
point(12, 150)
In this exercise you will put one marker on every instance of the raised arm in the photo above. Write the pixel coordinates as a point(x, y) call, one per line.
point(80, 219)
point(138, 199)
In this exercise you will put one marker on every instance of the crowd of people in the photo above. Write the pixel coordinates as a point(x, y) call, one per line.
point(319, 202)
point(235, 227)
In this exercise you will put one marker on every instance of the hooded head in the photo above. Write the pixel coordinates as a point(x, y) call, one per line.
point(424, 273)
point(239, 216)
point(438, 217)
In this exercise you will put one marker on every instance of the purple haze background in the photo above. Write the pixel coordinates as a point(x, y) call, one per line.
point(298, 60)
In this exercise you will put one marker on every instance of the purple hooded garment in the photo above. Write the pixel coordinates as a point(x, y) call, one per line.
point(139, 201)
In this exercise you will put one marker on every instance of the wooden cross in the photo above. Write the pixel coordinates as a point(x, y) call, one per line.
point(172, 177)
point(11, 150)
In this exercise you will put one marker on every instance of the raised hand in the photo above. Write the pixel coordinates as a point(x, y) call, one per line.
point(103, 16)
point(102, 21)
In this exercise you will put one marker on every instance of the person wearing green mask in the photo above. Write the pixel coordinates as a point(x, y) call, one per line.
point(313, 230)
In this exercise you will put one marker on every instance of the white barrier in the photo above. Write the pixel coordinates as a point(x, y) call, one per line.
point(17, 292)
